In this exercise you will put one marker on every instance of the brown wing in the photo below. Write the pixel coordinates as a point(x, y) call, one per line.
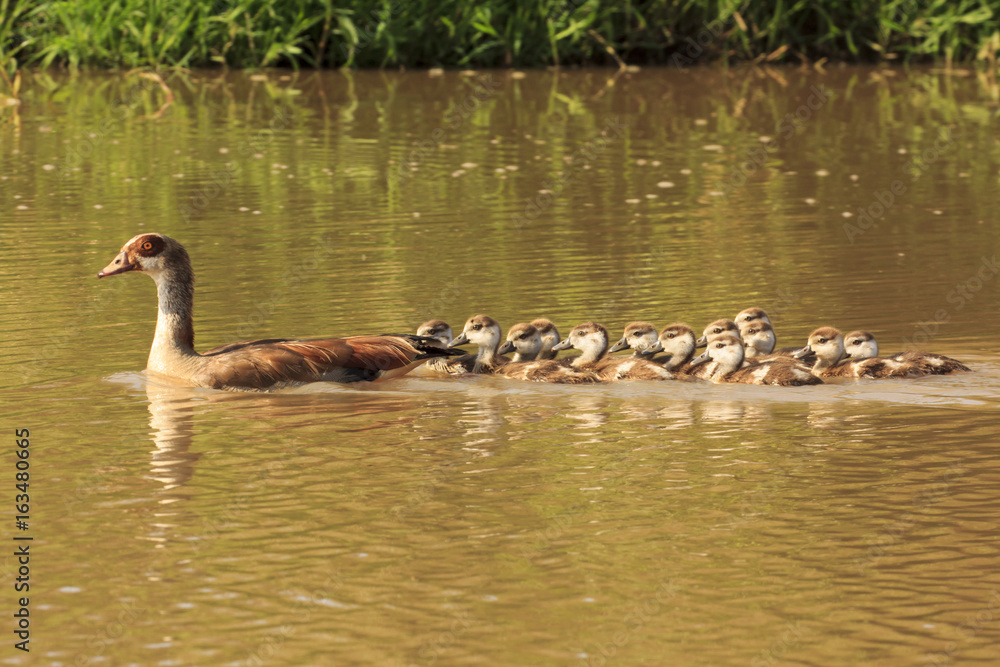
point(260, 364)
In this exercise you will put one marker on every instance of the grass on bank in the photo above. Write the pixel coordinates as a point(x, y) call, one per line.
point(488, 33)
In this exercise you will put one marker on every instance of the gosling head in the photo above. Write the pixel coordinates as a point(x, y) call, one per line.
point(439, 330)
point(590, 338)
point(860, 345)
point(550, 336)
point(677, 340)
point(639, 336)
point(481, 330)
point(826, 343)
point(726, 350)
point(717, 328)
point(758, 338)
point(524, 340)
point(154, 254)
point(751, 314)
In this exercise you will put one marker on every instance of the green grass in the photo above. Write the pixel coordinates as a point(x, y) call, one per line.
point(488, 33)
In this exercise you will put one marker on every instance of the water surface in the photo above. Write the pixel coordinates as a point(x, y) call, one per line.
point(483, 521)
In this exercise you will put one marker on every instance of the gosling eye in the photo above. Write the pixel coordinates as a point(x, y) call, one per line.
point(636, 334)
point(477, 327)
point(822, 340)
point(522, 336)
point(670, 335)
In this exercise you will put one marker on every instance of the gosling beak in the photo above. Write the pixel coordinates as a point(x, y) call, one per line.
point(461, 340)
point(652, 349)
point(119, 265)
point(620, 345)
point(700, 359)
point(506, 348)
point(563, 345)
point(804, 352)
point(701, 342)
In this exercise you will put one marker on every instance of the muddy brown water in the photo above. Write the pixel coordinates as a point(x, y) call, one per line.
point(483, 521)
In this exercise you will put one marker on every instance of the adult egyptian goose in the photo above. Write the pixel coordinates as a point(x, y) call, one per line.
point(526, 343)
point(639, 336)
point(440, 331)
point(550, 337)
point(723, 362)
point(255, 364)
point(483, 331)
point(592, 340)
point(827, 344)
point(862, 345)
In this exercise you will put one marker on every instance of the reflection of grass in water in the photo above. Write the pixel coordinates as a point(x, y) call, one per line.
point(489, 33)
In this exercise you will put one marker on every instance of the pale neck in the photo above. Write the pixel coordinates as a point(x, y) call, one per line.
point(520, 356)
point(174, 336)
point(487, 355)
point(593, 352)
point(677, 360)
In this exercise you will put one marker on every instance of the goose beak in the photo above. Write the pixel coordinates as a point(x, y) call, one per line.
point(562, 345)
point(701, 342)
point(804, 352)
point(700, 359)
point(620, 345)
point(652, 349)
point(506, 348)
point(119, 265)
point(461, 340)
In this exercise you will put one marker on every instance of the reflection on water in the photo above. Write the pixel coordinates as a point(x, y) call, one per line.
point(481, 520)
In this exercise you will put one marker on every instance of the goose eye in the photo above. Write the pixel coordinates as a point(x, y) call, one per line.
point(147, 246)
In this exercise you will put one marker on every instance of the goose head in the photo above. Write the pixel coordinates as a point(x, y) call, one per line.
point(638, 335)
point(726, 350)
point(154, 254)
point(758, 338)
point(481, 330)
point(751, 314)
point(550, 337)
point(439, 330)
point(677, 340)
point(860, 345)
point(826, 343)
point(524, 340)
point(716, 328)
point(590, 338)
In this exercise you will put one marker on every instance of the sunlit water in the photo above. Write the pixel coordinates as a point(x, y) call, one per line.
point(481, 520)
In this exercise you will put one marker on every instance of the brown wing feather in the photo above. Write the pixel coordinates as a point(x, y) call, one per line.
point(260, 364)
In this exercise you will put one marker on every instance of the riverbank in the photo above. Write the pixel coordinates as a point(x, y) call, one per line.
point(488, 33)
